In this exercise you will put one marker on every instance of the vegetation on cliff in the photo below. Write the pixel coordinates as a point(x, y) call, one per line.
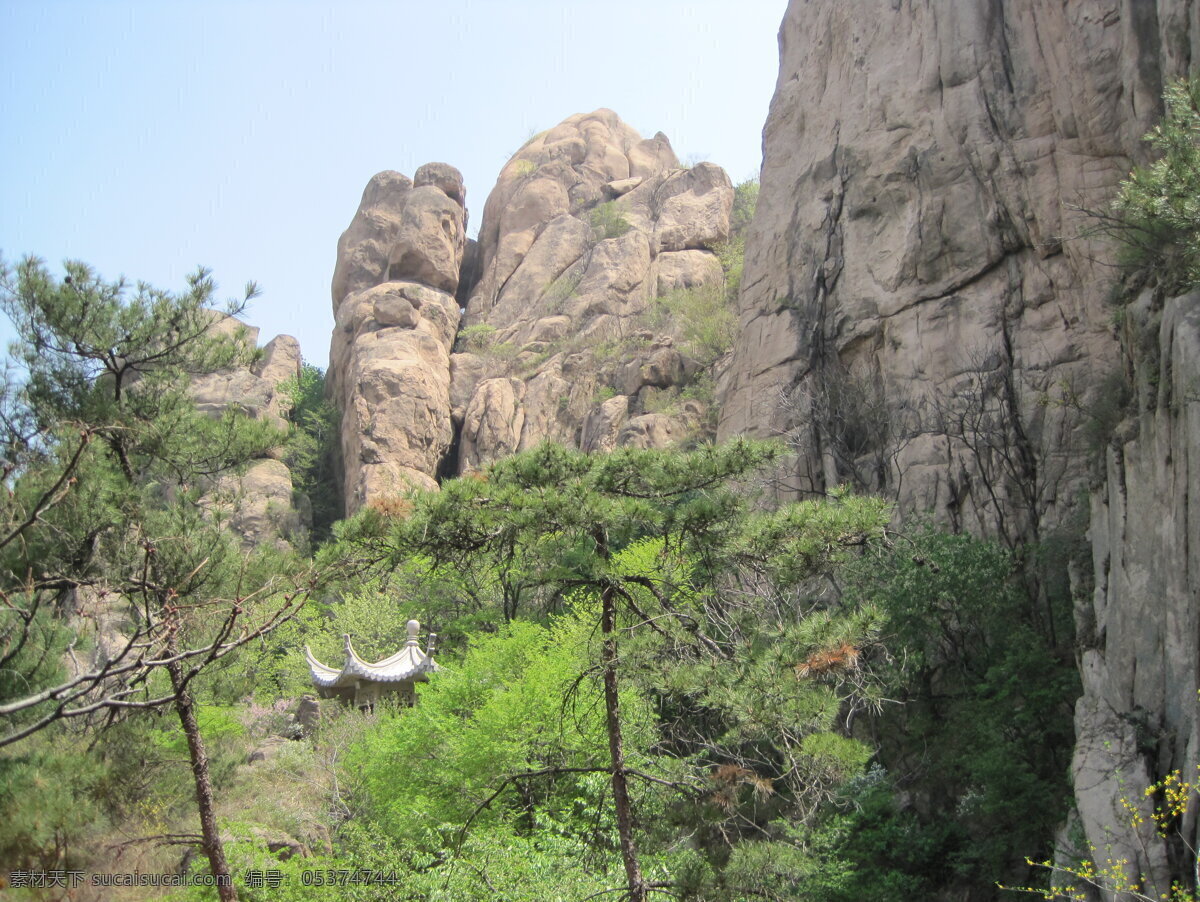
point(1158, 206)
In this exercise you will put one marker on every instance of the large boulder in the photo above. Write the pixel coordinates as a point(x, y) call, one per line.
point(258, 504)
point(430, 242)
point(693, 208)
point(492, 424)
point(366, 246)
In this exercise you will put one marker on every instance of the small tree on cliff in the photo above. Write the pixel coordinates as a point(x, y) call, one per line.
point(109, 472)
point(1159, 204)
point(668, 548)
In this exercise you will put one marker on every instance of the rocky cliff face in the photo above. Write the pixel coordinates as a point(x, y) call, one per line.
point(1138, 719)
point(924, 309)
point(586, 226)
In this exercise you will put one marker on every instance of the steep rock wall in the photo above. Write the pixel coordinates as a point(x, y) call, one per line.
point(918, 220)
point(924, 310)
point(1138, 719)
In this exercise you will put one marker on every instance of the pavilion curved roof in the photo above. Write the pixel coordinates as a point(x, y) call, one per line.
point(408, 663)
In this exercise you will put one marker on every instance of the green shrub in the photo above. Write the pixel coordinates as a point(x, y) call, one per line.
point(703, 318)
point(46, 797)
point(608, 221)
point(745, 200)
point(310, 445)
point(1158, 206)
point(984, 736)
point(476, 339)
point(480, 339)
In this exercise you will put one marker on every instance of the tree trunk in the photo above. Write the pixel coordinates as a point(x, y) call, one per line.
point(616, 749)
point(186, 709)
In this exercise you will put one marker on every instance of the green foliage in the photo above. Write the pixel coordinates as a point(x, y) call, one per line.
point(489, 864)
point(45, 794)
point(476, 338)
point(114, 468)
point(33, 641)
point(310, 447)
point(732, 252)
point(217, 722)
point(509, 706)
point(984, 735)
point(480, 338)
point(1159, 204)
point(745, 201)
point(893, 855)
point(704, 319)
point(608, 221)
point(744, 682)
point(115, 527)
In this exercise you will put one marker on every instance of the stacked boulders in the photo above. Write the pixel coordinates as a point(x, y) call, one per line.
point(396, 317)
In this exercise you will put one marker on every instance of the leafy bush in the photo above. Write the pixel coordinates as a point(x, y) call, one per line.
point(704, 319)
point(508, 726)
point(480, 338)
point(45, 794)
point(607, 221)
point(476, 338)
point(1159, 204)
point(745, 200)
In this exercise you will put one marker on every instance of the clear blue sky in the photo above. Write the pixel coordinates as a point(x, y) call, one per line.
point(148, 137)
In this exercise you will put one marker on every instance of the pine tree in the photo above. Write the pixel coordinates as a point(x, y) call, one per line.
point(110, 473)
point(690, 587)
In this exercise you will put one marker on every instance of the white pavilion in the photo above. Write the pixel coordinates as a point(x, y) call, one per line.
point(363, 684)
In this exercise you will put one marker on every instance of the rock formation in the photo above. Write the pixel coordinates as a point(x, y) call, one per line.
point(924, 308)
point(260, 502)
point(1137, 719)
point(587, 224)
point(396, 317)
